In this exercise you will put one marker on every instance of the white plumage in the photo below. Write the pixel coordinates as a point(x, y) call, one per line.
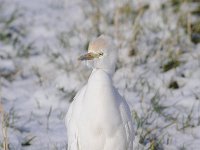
point(99, 118)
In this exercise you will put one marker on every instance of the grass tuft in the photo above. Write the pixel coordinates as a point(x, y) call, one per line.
point(173, 85)
point(195, 35)
point(132, 52)
point(173, 63)
point(28, 141)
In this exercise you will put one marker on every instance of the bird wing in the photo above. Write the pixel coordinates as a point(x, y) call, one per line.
point(71, 121)
point(127, 123)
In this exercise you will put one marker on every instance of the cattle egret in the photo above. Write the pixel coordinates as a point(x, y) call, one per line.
point(99, 118)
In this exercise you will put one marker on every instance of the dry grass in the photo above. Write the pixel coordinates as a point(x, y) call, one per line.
point(4, 128)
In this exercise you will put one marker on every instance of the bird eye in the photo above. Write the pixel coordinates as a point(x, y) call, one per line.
point(101, 54)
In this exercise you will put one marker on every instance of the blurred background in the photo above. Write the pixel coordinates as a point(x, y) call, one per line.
point(158, 68)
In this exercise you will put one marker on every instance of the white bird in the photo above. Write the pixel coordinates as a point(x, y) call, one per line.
point(99, 118)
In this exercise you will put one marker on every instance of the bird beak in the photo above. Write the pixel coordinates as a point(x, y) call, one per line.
point(88, 56)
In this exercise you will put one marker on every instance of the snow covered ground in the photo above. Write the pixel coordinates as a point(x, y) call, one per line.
point(158, 68)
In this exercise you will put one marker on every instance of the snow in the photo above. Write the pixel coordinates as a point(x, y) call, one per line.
point(40, 73)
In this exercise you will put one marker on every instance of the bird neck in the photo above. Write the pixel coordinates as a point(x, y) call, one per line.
point(99, 92)
point(98, 84)
point(109, 72)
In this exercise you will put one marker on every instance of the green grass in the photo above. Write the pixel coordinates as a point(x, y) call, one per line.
point(171, 64)
point(173, 85)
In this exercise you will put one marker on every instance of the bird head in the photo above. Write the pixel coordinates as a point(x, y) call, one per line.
point(101, 54)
